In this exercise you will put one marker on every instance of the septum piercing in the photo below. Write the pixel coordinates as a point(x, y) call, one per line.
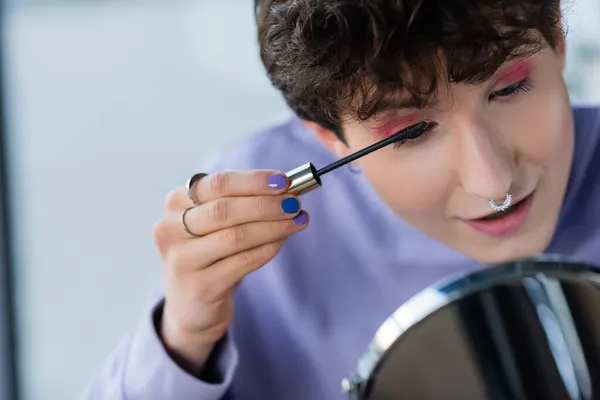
point(504, 206)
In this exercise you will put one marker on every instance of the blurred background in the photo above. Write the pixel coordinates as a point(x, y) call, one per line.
point(107, 106)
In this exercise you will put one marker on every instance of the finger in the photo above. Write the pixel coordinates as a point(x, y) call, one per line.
point(239, 183)
point(231, 211)
point(209, 249)
point(223, 277)
point(177, 200)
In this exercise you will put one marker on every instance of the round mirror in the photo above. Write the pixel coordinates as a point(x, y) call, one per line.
point(524, 330)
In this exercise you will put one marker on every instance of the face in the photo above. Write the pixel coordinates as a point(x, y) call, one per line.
point(512, 134)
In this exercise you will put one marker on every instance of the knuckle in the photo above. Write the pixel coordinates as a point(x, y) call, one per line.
point(262, 208)
point(235, 236)
point(219, 182)
point(256, 258)
point(160, 233)
point(257, 178)
point(172, 199)
point(279, 228)
point(249, 258)
point(220, 210)
point(270, 251)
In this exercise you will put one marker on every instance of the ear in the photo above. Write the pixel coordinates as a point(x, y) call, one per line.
point(329, 139)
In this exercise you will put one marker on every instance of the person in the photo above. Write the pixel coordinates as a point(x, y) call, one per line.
point(271, 296)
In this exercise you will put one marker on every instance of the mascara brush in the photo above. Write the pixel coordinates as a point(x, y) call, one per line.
point(306, 177)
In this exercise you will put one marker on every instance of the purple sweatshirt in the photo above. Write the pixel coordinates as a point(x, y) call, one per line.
point(303, 321)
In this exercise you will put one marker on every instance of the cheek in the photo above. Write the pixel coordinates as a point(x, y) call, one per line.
point(548, 121)
point(414, 190)
point(408, 182)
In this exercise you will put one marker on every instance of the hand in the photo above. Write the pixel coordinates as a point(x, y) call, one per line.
point(243, 219)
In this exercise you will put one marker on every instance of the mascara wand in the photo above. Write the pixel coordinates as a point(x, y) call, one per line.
point(306, 177)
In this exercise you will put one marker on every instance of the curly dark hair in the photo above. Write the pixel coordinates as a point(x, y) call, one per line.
point(337, 58)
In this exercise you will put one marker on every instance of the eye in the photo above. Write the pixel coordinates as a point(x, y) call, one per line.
point(524, 85)
point(417, 137)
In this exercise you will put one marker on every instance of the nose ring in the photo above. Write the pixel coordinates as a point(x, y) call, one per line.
point(504, 206)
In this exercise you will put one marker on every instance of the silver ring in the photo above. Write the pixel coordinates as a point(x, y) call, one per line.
point(189, 185)
point(504, 206)
point(184, 224)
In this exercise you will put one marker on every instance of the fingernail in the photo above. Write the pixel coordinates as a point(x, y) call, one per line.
point(301, 218)
point(278, 181)
point(290, 205)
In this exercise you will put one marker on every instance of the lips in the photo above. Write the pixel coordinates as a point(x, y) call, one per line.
point(505, 222)
point(500, 214)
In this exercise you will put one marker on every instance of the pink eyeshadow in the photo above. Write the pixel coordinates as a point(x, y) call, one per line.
point(516, 72)
point(394, 125)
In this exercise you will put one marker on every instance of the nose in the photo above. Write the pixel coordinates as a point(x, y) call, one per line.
point(487, 164)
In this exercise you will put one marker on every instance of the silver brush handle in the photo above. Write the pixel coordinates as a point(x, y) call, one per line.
point(304, 179)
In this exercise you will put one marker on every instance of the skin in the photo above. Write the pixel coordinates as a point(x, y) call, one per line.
point(241, 225)
point(483, 147)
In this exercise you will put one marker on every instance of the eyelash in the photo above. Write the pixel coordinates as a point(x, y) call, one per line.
point(522, 86)
point(416, 138)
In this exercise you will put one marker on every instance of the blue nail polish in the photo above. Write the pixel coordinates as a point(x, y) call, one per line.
point(301, 218)
point(290, 205)
point(278, 181)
